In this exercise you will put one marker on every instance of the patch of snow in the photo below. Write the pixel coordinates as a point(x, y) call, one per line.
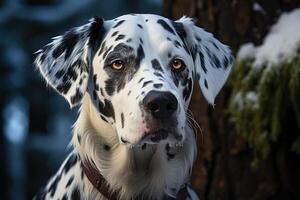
point(279, 45)
point(238, 100)
point(257, 7)
point(247, 50)
point(251, 96)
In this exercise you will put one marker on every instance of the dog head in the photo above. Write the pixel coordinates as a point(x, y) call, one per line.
point(139, 71)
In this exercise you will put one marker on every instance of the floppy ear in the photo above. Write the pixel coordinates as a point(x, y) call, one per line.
point(65, 63)
point(213, 60)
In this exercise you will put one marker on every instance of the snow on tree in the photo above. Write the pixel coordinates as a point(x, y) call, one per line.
point(265, 87)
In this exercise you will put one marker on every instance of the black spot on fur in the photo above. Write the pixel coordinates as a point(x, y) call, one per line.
point(141, 41)
point(119, 23)
point(60, 73)
point(124, 141)
point(114, 33)
point(65, 197)
point(146, 20)
point(106, 147)
point(106, 109)
point(70, 163)
point(120, 37)
point(198, 39)
point(205, 84)
point(181, 76)
point(101, 91)
point(66, 45)
point(144, 146)
point(225, 62)
point(76, 97)
point(95, 82)
point(177, 44)
point(79, 138)
point(187, 90)
point(140, 54)
point(202, 62)
point(70, 181)
point(94, 94)
point(179, 28)
point(169, 54)
point(80, 81)
point(166, 26)
point(103, 118)
point(95, 35)
point(141, 80)
point(53, 186)
point(82, 172)
point(140, 26)
point(146, 83)
point(122, 120)
point(129, 92)
point(156, 65)
point(76, 194)
point(102, 48)
point(213, 43)
point(216, 61)
point(157, 85)
point(106, 52)
point(197, 76)
point(64, 87)
point(158, 74)
point(110, 86)
point(128, 40)
point(210, 55)
point(71, 72)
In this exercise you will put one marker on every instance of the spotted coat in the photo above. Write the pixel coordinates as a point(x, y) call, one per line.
point(133, 77)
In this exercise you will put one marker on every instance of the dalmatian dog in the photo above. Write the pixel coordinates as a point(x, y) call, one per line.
point(133, 77)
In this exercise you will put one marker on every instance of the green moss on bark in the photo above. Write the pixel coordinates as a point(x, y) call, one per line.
point(260, 100)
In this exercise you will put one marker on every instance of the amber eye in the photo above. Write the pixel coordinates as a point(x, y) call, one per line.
point(117, 65)
point(177, 64)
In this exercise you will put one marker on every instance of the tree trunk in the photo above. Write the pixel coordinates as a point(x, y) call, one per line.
point(223, 167)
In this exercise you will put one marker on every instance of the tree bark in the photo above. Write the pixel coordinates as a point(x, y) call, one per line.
point(223, 166)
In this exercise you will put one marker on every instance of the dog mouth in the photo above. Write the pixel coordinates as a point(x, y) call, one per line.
point(156, 136)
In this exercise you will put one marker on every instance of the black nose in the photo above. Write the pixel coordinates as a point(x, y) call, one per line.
point(160, 104)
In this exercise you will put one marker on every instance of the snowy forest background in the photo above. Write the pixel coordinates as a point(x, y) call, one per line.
point(250, 143)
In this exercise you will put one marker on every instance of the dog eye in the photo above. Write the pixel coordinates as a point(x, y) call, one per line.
point(117, 65)
point(177, 64)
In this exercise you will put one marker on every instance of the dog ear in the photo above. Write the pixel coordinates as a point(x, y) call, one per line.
point(212, 59)
point(65, 63)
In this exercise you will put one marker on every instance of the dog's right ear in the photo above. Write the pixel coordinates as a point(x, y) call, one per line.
point(66, 62)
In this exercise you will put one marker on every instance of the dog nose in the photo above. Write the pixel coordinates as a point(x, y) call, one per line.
point(160, 104)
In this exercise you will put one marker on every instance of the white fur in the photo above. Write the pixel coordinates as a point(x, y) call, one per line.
point(122, 167)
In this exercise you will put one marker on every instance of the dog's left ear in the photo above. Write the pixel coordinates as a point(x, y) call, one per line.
point(213, 60)
point(66, 62)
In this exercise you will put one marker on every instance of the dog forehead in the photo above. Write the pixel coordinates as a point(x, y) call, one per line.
point(153, 28)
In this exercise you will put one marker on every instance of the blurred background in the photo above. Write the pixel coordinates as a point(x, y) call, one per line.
point(249, 146)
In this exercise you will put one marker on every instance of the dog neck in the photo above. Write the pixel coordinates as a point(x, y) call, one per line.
point(138, 171)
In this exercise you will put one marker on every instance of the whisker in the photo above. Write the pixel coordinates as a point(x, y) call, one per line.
point(194, 123)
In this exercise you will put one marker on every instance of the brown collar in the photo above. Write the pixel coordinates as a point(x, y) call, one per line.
point(98, 181)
